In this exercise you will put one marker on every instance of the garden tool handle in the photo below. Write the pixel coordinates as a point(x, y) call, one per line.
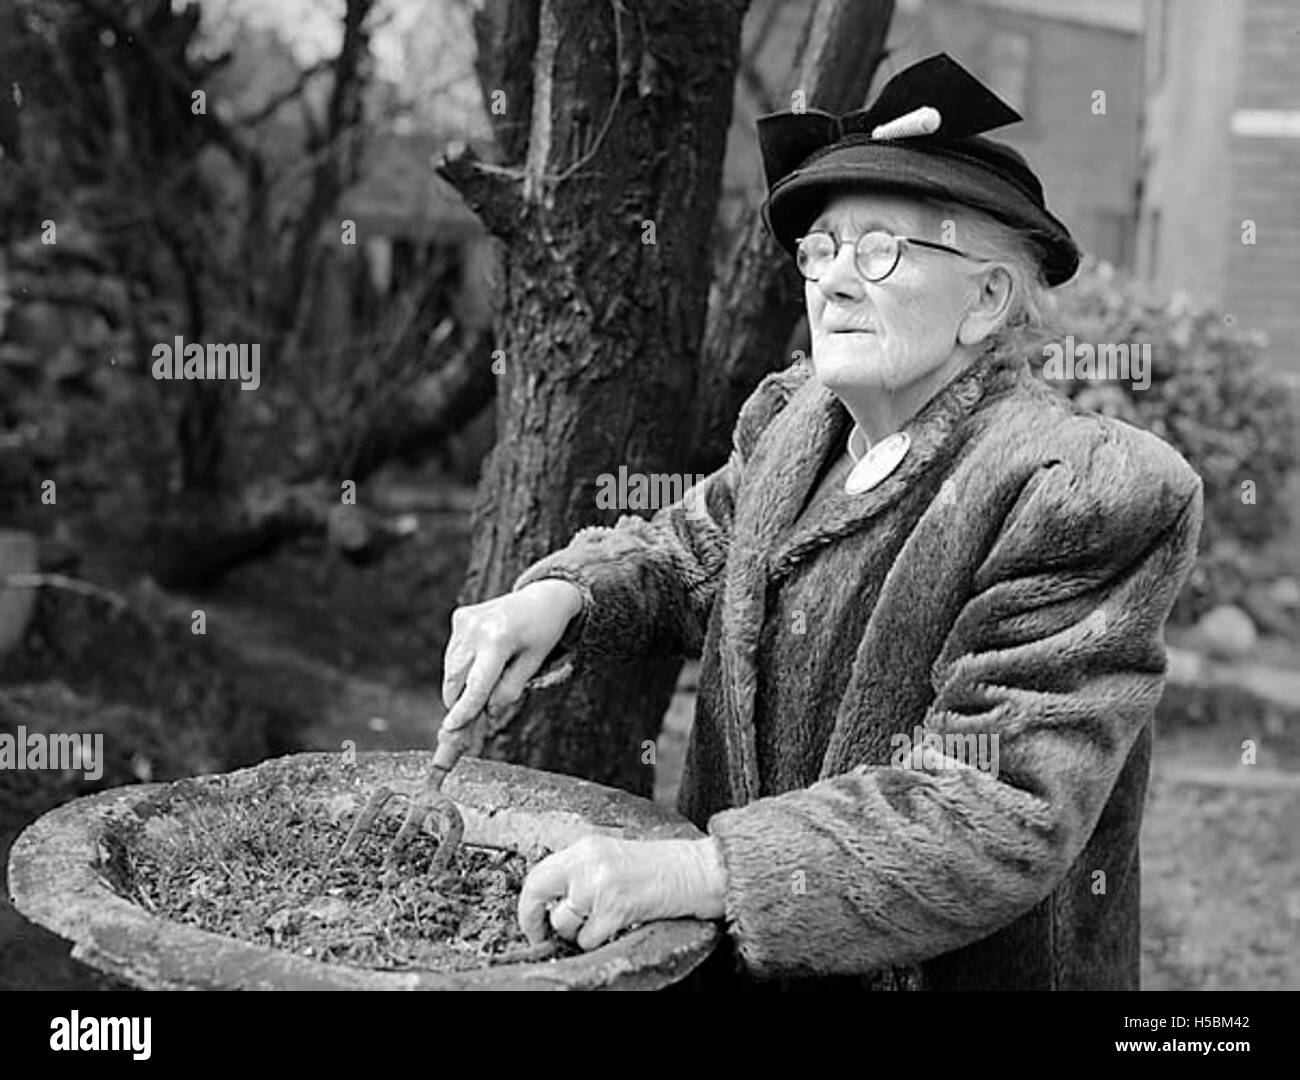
point(451, 744)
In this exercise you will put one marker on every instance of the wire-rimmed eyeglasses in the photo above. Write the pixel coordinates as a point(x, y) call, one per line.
point(875, 253)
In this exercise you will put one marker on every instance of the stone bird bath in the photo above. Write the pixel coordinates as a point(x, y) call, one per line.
point(55, 880)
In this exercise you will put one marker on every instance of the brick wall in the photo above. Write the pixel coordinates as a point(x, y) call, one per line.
point(1204, 179)
point(1263, 279)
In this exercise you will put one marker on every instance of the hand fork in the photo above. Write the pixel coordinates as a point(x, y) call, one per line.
point(426, 800)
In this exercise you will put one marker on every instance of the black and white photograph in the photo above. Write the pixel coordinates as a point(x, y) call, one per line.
point(701, 496)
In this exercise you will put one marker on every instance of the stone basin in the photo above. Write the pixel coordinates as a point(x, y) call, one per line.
point(54, 880)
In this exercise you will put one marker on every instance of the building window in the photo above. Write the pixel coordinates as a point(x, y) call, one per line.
point(1007, 68)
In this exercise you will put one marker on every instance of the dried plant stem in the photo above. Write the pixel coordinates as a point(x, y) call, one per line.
point(69, 584)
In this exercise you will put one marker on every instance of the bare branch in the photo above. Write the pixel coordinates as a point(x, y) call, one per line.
point(203, 539)
point(491, 192)
point(91, 297)
point(414, 422)
point(284, 97)
point(333, 173)
point(68, 584)
point(221, 134)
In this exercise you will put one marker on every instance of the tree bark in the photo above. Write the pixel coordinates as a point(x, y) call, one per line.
point(605, 287)
point(505, 33)
point(757, 308)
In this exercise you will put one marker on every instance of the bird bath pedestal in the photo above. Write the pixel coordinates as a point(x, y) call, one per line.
point(57, 878)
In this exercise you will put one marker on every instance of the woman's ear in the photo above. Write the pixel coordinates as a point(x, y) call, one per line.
point(990, 308)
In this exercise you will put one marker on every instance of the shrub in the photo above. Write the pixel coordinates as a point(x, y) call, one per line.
point(1215, 397)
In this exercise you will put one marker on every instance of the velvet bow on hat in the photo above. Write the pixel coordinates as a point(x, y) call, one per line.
point(921, 136)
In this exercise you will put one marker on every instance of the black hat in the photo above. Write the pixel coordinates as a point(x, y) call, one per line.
point(921, 136)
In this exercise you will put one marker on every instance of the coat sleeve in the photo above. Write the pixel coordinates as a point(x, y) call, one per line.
point(648, 585)
point(1058, 654)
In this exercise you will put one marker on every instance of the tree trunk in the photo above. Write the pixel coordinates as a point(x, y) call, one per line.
point(757, 308)
point(605, 290)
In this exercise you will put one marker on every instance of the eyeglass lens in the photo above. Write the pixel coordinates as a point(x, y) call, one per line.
point(876, 254)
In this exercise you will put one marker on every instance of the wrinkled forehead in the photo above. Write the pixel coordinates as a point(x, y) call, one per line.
point(853, 212)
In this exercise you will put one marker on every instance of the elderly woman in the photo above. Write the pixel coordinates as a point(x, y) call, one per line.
point(929, 594)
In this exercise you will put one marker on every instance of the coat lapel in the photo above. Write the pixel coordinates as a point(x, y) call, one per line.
point(935, 432)
point(769, 540)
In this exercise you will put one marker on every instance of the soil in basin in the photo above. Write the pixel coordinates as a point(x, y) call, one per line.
point(265, 868)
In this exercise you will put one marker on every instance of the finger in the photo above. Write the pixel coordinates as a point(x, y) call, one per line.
point(566, 920)
point(532, 918)
point(598, 929)
point(455, 666)
point(546, 883)
point(479, 683)
point(510, 687)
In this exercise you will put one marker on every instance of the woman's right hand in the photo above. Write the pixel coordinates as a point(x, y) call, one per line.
point(498, 645)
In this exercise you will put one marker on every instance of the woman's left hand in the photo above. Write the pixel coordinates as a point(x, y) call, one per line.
point(598, 886)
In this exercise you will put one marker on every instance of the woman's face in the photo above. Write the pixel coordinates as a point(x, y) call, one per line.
point(891, 334)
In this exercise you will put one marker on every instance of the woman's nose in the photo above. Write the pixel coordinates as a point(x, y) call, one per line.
point(841, 280)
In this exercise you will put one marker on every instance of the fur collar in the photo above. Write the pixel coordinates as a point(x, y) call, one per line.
point(769, 541)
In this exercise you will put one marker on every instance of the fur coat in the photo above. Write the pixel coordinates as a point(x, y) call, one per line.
point(1011, 581)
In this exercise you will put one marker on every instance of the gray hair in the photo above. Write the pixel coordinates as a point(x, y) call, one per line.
point(1031, 317)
